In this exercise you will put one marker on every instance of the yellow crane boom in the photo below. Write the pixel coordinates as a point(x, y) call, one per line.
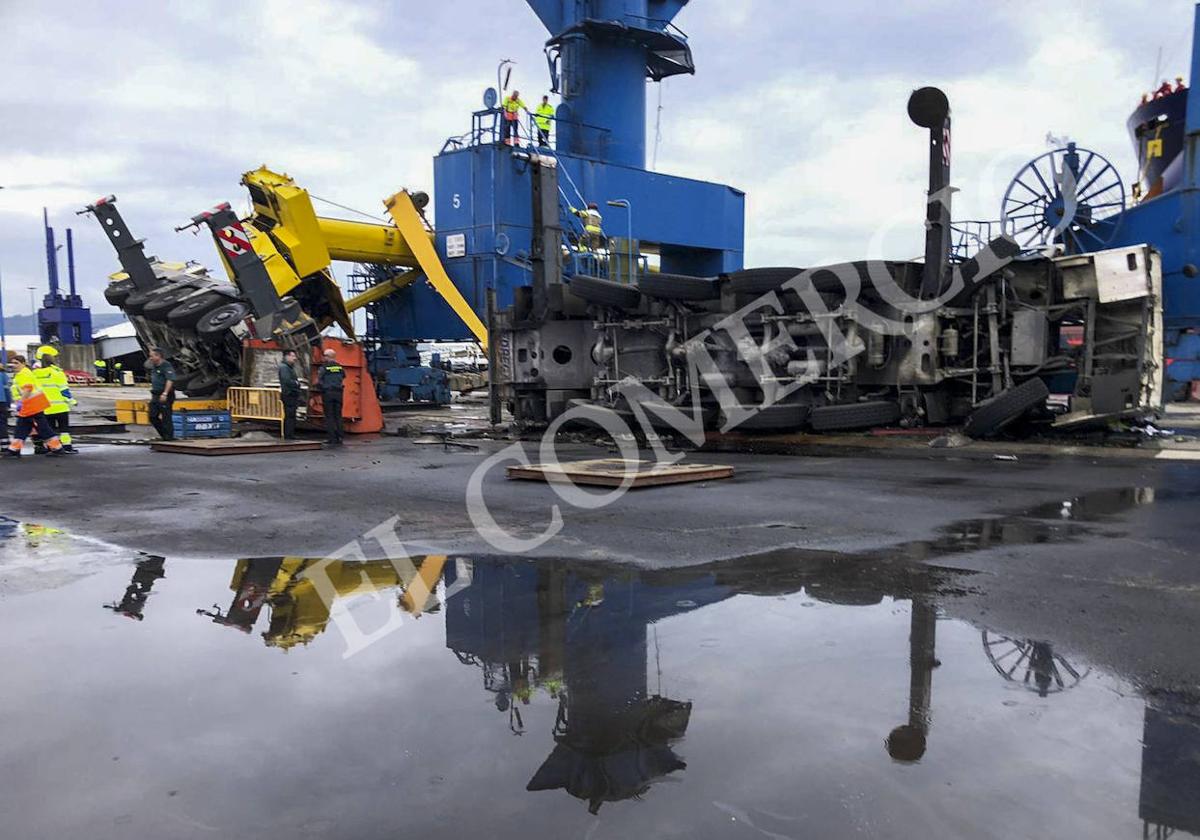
point(297, 247)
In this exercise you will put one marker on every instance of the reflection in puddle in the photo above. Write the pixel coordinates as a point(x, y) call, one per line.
point(791, 694)
point(145, 573)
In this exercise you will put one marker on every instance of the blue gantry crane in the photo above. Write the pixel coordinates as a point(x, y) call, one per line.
point(600, 54)
point(63, 318)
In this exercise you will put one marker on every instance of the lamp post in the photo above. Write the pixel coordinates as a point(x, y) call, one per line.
point(624, 202)
point(32, 302)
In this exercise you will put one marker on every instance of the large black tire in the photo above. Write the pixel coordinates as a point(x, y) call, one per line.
point(213, 326)
point(679, 287)
point(136, 302)
point(759, 281)
point(188, 313)
point(201, 385)
point(776, 418)
point(166, 300)
point(864, 415)
point(605, 292)
point(118, 290)
point(993, 415)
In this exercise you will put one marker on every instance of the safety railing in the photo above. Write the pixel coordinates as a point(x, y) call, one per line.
point(970, 236)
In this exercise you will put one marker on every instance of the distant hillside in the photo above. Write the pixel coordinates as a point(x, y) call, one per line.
point(27, 324)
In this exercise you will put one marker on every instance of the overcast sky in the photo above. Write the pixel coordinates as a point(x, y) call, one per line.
point(799, 104)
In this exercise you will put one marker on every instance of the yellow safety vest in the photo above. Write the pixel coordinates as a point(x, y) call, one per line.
point(52, 380)
point(544, 114)
point(24, 384)
point(591, 220)
point(511, 106)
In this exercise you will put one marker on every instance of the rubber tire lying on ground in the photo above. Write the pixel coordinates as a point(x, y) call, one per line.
point(160, 306)
point(864, 415)
point(216, 322)
point(118, 290)
point(994, 414)
point(773, 418)
point(605, 292)
point(679, 287)
point(188, 313)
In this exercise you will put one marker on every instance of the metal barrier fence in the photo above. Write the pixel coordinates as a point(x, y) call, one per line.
point(256, 404)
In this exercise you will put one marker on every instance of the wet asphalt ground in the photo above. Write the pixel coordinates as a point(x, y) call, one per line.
point(891, 647)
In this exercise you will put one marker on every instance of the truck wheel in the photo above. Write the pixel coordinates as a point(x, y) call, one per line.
point(679, 287)
point(136, 302)
point(605, 292)
point(188, 313)
point(213, 325)
point(162, 303)
point(1007, 406)
point(118, 290)
point(202, 385)
point(776, 418)
point(864, 415)
point(759, 281)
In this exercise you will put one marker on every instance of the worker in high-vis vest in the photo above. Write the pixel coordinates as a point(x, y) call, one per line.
point(103, 371)
point(593, 232)
point(30, 404)
point(542, 118)
point(57, 388)
point(510, 125)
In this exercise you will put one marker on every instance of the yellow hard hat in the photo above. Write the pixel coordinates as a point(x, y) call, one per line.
point(47, 350)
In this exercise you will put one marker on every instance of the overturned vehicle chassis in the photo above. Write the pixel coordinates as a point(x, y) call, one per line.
point(843, 347)
point(981, 341)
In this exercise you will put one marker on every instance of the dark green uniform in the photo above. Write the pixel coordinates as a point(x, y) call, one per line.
point(160, 412)
point(289, 394)
point(330, 381)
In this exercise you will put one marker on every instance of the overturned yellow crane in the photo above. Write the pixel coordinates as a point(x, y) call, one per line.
point(297, 246)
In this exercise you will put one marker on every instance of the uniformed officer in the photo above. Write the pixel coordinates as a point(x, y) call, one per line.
point(289, 393)
point(162, 393)
point(330, 381)
point(54, 384)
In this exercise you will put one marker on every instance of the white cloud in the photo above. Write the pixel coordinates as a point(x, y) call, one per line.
point(166, 105)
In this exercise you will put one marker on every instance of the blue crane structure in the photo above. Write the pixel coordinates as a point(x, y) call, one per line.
point(62, 318)
point(1170, 221)
point(600, 54)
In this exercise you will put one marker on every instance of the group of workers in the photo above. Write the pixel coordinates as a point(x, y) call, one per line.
point(331, 378)
point(109, 373)
point(1165, 89)
point(510, 128)
point(593, 239)
point(41, 399)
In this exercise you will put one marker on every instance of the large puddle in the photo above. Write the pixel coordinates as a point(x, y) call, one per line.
point(781, 697)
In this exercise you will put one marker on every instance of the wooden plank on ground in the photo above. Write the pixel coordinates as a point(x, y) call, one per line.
point(225, 446)
point(610, 472)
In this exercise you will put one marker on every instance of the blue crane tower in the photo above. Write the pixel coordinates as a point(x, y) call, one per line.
point(62, 318)
point(600, 54)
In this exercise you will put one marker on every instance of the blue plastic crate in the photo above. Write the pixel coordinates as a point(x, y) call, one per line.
point(206, 424)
